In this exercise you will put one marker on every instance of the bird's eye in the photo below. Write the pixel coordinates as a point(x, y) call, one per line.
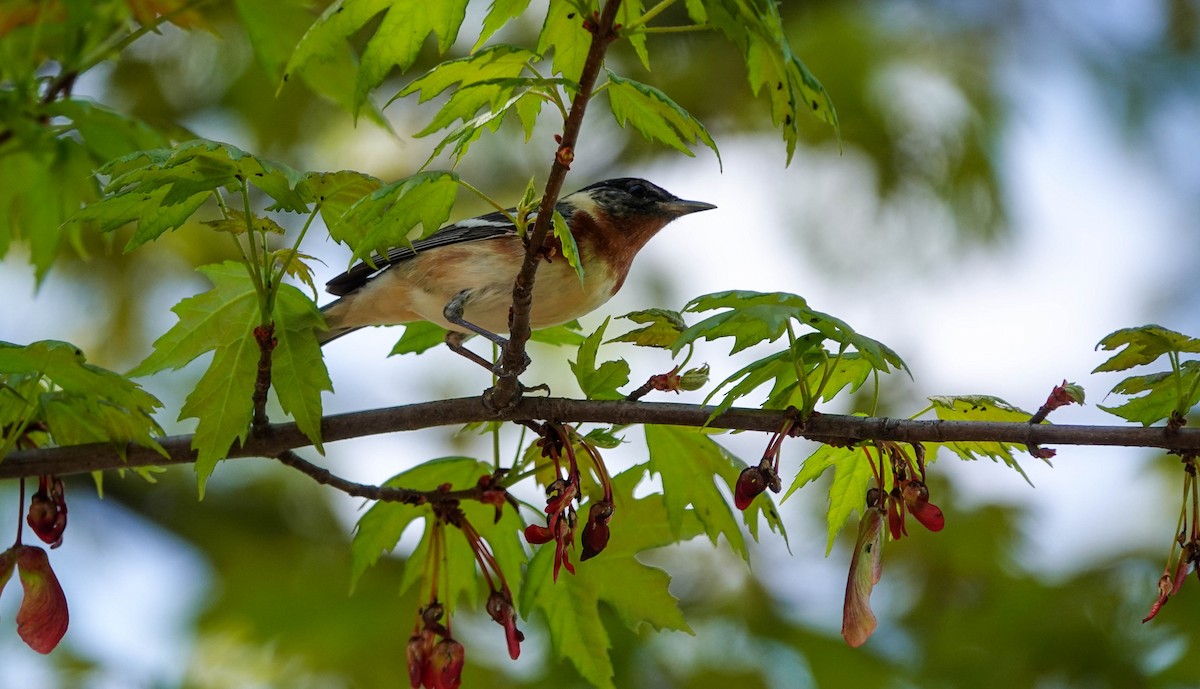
point(638, 191)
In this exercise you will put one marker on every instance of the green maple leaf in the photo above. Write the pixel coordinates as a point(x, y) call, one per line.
point(160, 189)
point(847, 494)
point(655, 116)
point(1167, 392)
point(662, 328)
point(388, 216)
point(1143, 345)
point(379, 530)
point(484, 79)
point(563, 31)
point(690, 464)
point(599, 382)
point(501, 12)
point(396, 42)
point(636, 592)
point(223, 320)
point(771, 67)
point(298, 373)
point(80, 403)
point(979, 408)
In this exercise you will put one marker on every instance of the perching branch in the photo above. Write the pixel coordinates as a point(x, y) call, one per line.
point(276, 439)
point(507, 390)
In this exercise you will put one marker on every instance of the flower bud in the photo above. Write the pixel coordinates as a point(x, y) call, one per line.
point(446, 664)
point(595, 532)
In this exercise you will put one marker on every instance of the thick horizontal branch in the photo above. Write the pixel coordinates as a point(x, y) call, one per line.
point(278, 438)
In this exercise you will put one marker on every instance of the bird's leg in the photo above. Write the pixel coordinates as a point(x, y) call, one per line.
point(454, 313)
point(454, 340)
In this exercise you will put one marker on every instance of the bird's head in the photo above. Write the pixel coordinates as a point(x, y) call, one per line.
point(631, 199)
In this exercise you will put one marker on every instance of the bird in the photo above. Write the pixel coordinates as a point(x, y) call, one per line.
point(461, 276)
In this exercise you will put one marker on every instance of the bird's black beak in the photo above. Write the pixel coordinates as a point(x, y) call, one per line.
point(680, 207)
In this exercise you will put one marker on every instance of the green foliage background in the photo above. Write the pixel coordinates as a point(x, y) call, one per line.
point(962, 610)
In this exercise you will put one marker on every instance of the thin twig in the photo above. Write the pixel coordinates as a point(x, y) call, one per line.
point(507, 390)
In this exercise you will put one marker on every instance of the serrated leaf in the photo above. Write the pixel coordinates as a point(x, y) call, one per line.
point(564, 33)
point(296, 265)
point(222, 404)
point(1166, 393)
point(565, 335)
point(690, 463)
point(396, 42)
point(636, 592)
point(200, 166)
point(655, 116)
point(566, 240)
point(663, 327)
point(980, 408)
point(221, 316)
point(466, 134)
point(754, 317)
point(771, 67)
point(490, 68)
point(419, 337)
point(389, 216)
point(335, 193)
point(847, 494)
point(627, 13)
point(500, 13)
point(599, 382)
point(80, 403)
point(234, 222)
point(379, 530)
point(298, 373)
point(1143, 345)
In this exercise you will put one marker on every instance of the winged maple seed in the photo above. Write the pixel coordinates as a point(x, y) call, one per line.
point(1187, 556)
point(42, 619)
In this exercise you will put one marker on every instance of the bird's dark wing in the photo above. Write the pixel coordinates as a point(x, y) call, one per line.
point(475, 229)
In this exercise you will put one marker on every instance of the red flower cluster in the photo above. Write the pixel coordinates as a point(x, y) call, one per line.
point(754, 480)
point(434, 664)
point(562, 494)
point(48, 511)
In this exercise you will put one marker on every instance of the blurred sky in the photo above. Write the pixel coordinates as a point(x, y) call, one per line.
point(1094, 217)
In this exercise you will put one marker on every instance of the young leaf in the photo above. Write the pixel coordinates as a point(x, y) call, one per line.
point(335, 193)
point(1144, 345)
point(298, 372)
point(851, 478)
point(80, 402)
point(501, 12)
point(387, 217)
point(627, 13)
point(566, 240)
point(563, 31)
point(599, 383)
point(235, 223)
point(656, 116)
point(690, 463)
point(662, 328)
point(419, 337)
point(487, 77)
point(396, 42)
point(754, 317)
point(980, 408)
point(220, 320)
point(757, 29)
point(1167, 392)
point(636, 592)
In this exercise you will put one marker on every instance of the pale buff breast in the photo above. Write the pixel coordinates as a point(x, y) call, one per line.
point(420, 288)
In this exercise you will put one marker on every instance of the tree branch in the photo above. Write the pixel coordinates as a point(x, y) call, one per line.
point(508, 390)
point(279, 438)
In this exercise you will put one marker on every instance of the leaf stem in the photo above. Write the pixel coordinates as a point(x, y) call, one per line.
point(648, 16)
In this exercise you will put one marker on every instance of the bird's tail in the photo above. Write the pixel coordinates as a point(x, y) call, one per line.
point(334, 331)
